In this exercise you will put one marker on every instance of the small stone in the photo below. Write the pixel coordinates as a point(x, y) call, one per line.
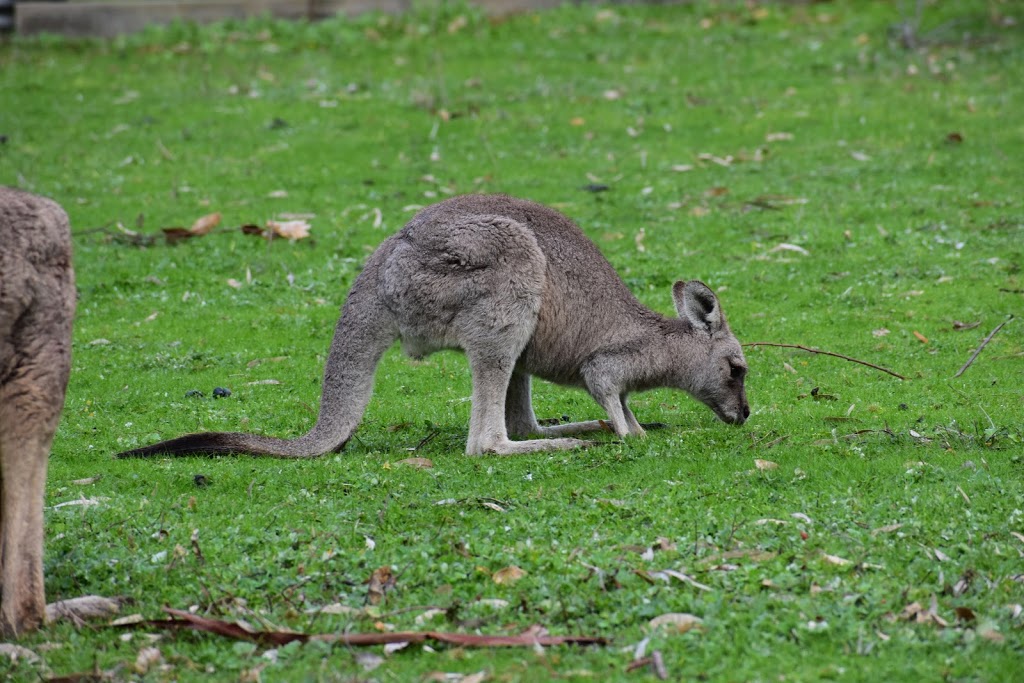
point(221, 392)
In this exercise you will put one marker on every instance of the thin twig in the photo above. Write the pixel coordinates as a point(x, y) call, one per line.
point(827, 353)
point(983, 344)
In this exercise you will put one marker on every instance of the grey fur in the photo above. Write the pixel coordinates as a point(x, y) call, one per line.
point(37, 304)
point(523, 292)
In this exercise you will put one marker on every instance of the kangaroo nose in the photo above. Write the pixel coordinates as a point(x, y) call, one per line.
point(746, 412)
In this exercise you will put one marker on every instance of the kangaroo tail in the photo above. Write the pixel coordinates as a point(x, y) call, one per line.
point(364, 332)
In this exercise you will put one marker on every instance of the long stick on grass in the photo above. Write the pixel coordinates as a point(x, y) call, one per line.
point(982, 346)
point(827, 353)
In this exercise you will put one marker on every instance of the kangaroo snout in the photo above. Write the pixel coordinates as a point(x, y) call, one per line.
point(733, 415)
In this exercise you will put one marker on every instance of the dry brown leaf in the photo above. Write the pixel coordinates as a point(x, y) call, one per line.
point(148, 656)
point(418, 463)
point(508, 575)
point(381, 581)
point(336, 608)
point(638, 239)
point(87, 480)
point(128, 620)
point(920, 337)
point(174, 235)
point(205, 224)
point(911, 611)
point(785, 246)
point(991, 635)
point(675, 622)
point(82, 607)
point(752, 554)
point(662, 543)
point(765, 465)
point(888, 528)
point(293, 230)
point(836, 560)
point(17, 652)
point(965, 613)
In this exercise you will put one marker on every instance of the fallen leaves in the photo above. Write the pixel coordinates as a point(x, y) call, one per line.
point(532, 637)
point(205, 224)
point(508, 575)
point(836, 560)
point(918, 614)
point(417, 463)
point(292, 230)
point(380, 582)
point(675, 622)
point(291, 226)
point(18, 653)
point(202, 226)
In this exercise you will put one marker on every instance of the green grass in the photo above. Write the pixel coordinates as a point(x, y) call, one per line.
point(901, 181)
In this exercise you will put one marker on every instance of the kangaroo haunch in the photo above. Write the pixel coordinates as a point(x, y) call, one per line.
point(523, 292)
point(37, 304)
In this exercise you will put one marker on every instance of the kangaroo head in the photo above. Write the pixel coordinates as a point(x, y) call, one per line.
point(715, 369)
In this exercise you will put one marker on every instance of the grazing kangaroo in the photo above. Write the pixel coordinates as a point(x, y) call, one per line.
point(523, 292)
point(37, 304)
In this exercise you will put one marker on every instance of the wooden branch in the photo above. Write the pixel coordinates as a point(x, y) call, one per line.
point(827, 353)
point(982, 346)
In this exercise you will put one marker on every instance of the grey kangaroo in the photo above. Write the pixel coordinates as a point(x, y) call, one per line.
point(37, 304)
point(522, 291)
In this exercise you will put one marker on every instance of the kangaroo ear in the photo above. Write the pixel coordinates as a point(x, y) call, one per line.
point(697, 303)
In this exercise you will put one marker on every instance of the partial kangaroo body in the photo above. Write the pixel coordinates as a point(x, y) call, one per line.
point(523, 292)
point(37, 304)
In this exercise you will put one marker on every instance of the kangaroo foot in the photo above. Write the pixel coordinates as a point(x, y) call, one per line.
point(508, 447)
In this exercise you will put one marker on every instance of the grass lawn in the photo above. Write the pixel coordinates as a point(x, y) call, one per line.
point(837, 189)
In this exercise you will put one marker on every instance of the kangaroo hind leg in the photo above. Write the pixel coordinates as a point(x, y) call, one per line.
point(487, 428)
point(477, 282)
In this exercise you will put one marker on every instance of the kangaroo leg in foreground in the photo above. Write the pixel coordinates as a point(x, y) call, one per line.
point(37, 303)
point(522, 422)
point(487, 429)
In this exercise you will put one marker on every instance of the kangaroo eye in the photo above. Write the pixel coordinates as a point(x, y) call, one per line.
point(737, 371)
